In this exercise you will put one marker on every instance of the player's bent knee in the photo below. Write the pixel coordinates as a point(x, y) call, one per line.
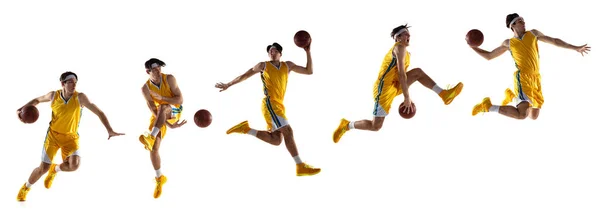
point(522, 114)
point(523, 108)
point(44, 167)
point(73, 162)
point(417, 71)
point(535, 113)
point(74, 166)
point(286, 130)
point(276, 140)
point(377, 123)
point(376, 126)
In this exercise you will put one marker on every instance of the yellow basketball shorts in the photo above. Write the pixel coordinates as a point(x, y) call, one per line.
point(67, 143)
point(528, 88)
point(384, 95)
point(274, 113)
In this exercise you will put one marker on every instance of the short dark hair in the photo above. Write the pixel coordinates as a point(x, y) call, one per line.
point(276, 45)
point(65, 74)
point(151, 61)
point(509, 18)
point(395, 30)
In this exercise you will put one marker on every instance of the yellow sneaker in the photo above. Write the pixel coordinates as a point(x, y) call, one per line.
point(303, 169)
point(508, 97)
point(342, 128)
point(22, 193)
point(148, 141)
point(242, 127)
point(484, 106)
point(448, 95)
point(159, 183)
point(50, 176)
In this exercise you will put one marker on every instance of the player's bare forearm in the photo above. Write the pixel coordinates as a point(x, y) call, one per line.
point(241, 78)
point(33, 102)
point(43, 98)
point(483, 53)
point(104, 121)
point(238, 79)
point(403, 83)
point(309, 64)
point(177, 100)
point(560, 43)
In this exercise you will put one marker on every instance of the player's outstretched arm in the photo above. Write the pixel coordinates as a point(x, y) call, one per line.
point(560, 43)
point(85, 102)
point(308, 70)
point(256, 69)
point(44, 98)
point(400, 53)
point(494, 53)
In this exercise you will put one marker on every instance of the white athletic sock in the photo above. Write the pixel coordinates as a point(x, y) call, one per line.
point(158, 173)
point(28, 185)
point(297, 159)
point(252, 132)
point(155, 131)
point(351, 125)
point(437, 89)
point(494, 108)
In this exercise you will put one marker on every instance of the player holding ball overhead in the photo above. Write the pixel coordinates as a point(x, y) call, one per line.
point(274, 76)
point(394, 79)
point(164, 100)
point(523, 47)
point(67, 105)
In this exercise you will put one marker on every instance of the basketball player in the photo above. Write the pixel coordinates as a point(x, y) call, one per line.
point(528, 88)
point(164, 100)
point(393, 80)
point(274, 76)
point(67, 105)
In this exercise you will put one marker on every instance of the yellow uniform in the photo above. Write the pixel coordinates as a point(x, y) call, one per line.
point(527, 77)
point(387, 86)
point(164, 90)
point(274, 81)
point(62, 133)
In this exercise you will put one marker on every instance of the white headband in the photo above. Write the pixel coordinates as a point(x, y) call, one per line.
point(69, 77)
point(154, 65)
point(514, 20)
point(400, 32)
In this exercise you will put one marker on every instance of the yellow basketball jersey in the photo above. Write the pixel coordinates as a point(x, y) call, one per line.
point(162, 89)
point(275, 81)
point(65, 113)
point(388, 73)
point(525, 53)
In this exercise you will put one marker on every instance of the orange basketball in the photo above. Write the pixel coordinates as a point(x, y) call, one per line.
point(302, 39)
point(29, 114)
point(474, 38)
point(202, 118)
point(409, 114)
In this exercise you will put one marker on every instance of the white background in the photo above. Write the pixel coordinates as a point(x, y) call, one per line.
point(442, 160)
